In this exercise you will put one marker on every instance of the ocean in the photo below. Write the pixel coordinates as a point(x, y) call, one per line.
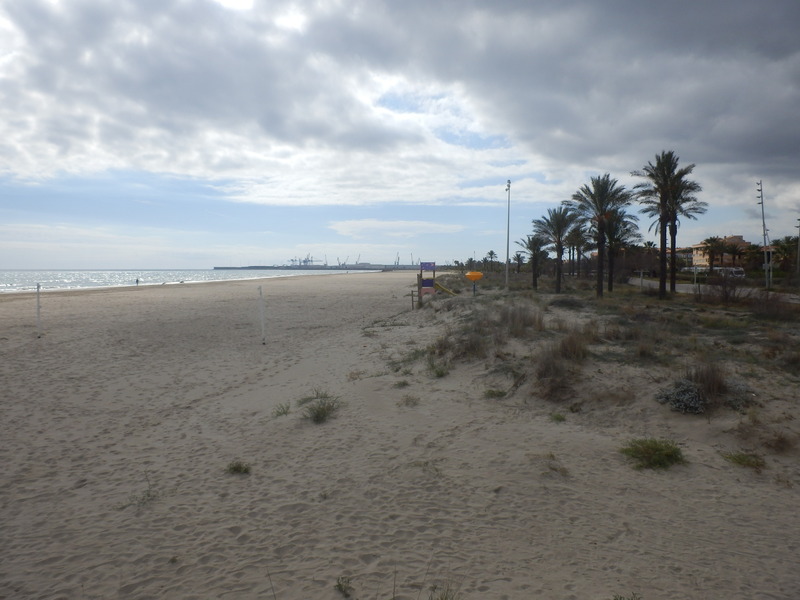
point(12, 281)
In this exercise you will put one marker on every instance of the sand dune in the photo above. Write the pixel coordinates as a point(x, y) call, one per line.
point(119, 422)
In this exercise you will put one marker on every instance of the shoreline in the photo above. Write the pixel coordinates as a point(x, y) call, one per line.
point(48, 290)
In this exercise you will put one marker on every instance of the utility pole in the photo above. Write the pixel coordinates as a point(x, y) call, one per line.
point(797, 266)
point(508, 230)
point(767, 263)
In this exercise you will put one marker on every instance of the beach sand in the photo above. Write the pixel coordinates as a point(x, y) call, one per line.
point(117, 426)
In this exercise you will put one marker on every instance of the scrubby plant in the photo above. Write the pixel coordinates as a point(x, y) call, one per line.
point(319, 407)
point(238, 467)
point(316, 394)
point(281, 410)
point(651, 453)
point(746, 459)
point(633, 596)
point(409, 401)
point(552, 374)
point(519, 319)
point(344, 586)
point(492, 394)
point(436, 367)
point(321, 410)
point(573, 346)
point(570, 302)
point(557, 417)
point(150, 494)
point(446, 591)
point(684, 396)
point(710, 378)
point(705, 387)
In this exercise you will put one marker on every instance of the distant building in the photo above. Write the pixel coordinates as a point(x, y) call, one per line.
point(700, 256)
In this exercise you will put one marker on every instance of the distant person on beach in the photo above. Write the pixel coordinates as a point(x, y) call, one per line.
point(137, 281)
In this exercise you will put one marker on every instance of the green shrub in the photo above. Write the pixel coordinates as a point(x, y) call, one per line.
point(651, 453)
point(319, 407)
point(281, 410)
point(344, 587)
point(744, 459)
point(409, 401)
point(320, 410)
point(238, 467)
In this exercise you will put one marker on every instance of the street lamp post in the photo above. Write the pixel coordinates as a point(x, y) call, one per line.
point(797, 266)
point(767, 258)
point(508, 230)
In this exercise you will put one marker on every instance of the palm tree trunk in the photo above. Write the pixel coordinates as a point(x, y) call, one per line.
point(559, 256)
point(611, 257)
point(601, 247)
point(673, 234)
point(662, 258)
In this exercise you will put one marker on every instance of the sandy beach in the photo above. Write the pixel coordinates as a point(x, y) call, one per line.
point(118, 424)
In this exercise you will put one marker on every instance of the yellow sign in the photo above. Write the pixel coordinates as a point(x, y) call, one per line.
point(474, 276)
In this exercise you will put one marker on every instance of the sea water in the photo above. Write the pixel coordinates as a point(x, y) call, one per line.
point(26, 281)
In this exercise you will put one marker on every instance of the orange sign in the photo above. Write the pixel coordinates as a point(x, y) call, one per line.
point(474, 276)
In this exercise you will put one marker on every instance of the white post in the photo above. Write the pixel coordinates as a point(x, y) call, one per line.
point(261, 310)
point(38, 311)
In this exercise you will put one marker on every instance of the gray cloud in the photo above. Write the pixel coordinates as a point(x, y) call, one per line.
point(581, 86)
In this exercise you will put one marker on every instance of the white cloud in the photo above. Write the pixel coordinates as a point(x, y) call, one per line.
point(395, 229)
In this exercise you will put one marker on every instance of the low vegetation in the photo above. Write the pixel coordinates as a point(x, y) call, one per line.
point(746, 459)
point(649, 453)
point(320, 406)
point(238, 467)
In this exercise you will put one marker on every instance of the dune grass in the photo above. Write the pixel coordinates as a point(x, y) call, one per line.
point(650, 453)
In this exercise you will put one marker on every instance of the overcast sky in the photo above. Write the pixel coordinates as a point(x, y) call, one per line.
point(197, 133)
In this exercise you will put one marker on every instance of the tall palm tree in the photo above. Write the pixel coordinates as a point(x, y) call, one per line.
point(519, 259)
point(491, 256)
point(554, 228)
point(621, 232)
point(594, 204)
point(578, 239)
point(734, 251)
point(533, 245)
point(668, 195)
point(753, 256)
point(715, 248)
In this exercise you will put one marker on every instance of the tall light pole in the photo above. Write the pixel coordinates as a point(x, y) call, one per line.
point(798, 246)
point(767, 264)
point(508, 230)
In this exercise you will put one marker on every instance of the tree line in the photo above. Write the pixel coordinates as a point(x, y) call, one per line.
point(598, 215)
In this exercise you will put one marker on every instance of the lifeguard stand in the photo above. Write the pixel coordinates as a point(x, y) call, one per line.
point(426, 285)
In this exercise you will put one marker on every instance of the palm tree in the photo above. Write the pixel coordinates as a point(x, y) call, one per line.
point(668, 195)
point(714, 247)
point(594, 204)
point(734, 251)
point(753, 256)
point(621, 232)
point(578, 239)
point(533, 245)
point(554, 228)
point(785, 251)
point(519, 259)
point(491, 256)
